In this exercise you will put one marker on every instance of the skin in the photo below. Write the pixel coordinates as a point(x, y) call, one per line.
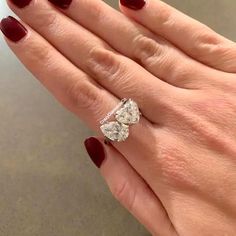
point(179, 176)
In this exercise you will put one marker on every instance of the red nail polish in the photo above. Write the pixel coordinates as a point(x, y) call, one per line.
point(95, 150)
point(133, 4)
point(13, 29)
point(64, 4)
point(21, 3)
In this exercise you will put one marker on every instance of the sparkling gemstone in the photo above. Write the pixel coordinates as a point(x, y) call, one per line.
point(115, 131)
point(128, 113)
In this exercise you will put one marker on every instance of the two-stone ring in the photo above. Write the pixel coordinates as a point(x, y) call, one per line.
point(126, 113)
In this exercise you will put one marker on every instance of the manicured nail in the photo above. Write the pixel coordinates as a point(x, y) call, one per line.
point(13, 29)
point(21, 3)
point(95, 150)
point(133, 4)
point(64, 4)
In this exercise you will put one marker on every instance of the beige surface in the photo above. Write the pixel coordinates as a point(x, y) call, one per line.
point(48, 187)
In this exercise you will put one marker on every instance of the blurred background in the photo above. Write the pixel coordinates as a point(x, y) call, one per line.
point(48, 186)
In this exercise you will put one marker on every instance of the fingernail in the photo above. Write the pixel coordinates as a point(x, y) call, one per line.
point(133, 4)
point(64, 4)
point(12, 29)
point(95, 150)
point(21, 3)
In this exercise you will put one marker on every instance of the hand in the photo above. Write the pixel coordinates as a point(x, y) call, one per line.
point(176, 172)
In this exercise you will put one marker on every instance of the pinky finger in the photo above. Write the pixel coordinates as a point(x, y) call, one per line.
point(192, 37)
point(129, 188)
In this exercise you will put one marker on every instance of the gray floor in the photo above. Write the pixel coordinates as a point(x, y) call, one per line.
point(48, 187)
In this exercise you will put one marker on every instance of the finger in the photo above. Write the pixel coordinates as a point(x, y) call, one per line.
point(72, 87)
point(118, 74)
point(154, 53)
point(194, 38)
point(129, 188)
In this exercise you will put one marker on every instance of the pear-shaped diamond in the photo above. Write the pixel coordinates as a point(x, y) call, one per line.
point(115, 131)
point(128, 113)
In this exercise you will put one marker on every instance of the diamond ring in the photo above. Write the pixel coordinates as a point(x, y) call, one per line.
point(126, 113)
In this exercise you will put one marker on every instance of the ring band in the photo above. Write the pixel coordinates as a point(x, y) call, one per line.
point(126, 113)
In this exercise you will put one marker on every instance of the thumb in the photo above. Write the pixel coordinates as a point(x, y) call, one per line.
point(129, 188)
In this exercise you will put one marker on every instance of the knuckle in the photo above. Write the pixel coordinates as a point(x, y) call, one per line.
point(37, 52)
point(206, 36)
point(103, 63)
point(210, 47)
point(38, 56)
point(83, 95)
point(148, 51)
point(97, 14)
point(45, 18)
point(125, 194)
point(165, 16)
point(205, 42)
point(110, 69)
point(181, 74)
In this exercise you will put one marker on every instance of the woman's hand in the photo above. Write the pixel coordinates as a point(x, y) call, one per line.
point(177, 171)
